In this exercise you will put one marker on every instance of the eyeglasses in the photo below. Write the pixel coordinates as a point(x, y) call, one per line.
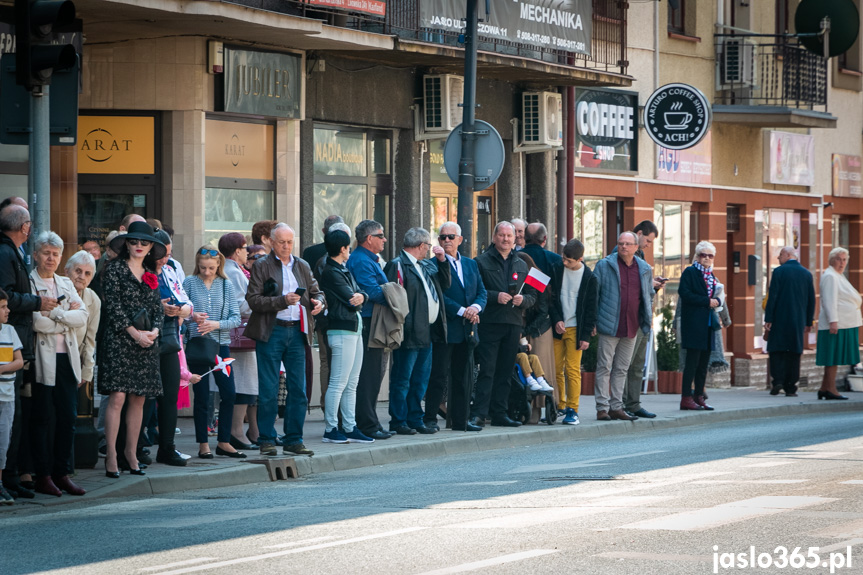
point(624, 244)
point(256, 257)
point(211, 253)
point(134, 242)
point(244, 248)
point(378, 236)
point(711, 256)
point(443, 237)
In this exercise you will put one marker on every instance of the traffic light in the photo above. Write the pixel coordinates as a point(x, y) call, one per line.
point(35, 57)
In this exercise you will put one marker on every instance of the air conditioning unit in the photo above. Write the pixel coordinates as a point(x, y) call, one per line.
point(441, 98)
point(541, 119)
point(738, 65)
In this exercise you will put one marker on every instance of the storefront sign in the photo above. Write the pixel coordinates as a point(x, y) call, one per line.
point(677, 116)
point(262, 83)
point(340, 152)
point(846, 176)
point(436, 165)
point(789, 159)
point(606, 130)
point(555, 24)
point(692, 166)
point(116, 145)
point(238, 150)
point(373, 7)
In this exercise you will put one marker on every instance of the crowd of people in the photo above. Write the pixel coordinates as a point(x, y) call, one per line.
point(456, 330)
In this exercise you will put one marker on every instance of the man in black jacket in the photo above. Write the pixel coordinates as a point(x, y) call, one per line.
point(15, 228)
point(424, 282)
point(502, 274)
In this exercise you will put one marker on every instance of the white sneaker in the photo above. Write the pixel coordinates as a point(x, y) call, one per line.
point(544, 384)
point(177, 431)
point(183, 455)
point(533, 384)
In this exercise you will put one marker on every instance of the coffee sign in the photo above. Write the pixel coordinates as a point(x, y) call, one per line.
point(677, 116)
point(606, 124)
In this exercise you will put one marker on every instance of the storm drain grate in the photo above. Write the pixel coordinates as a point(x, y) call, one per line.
point(582, 478)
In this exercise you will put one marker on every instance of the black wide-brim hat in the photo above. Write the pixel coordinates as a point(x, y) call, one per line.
point(140, 231)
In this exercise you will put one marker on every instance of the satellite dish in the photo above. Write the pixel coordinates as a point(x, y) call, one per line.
point(844, 24)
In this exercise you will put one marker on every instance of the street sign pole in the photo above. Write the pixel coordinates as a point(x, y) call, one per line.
point(40, 159)
point(467, 162)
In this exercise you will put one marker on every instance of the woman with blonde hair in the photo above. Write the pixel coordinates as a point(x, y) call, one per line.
point(216, 313)
point(838, 323)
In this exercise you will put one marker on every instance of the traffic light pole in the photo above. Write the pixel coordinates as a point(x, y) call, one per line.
point(40, 162)
point(467, 163)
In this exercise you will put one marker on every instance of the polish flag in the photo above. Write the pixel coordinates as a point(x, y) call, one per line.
point(304, 320)
point(536, 279)
point(399, 276)
point(224, 365)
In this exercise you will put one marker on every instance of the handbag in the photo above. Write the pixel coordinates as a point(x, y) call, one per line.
point(202, 351)
point(141, 320)
point(238, 339)
point(169, 338)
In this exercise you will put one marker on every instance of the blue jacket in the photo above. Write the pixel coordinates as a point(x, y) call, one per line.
point(458, 296)
point(369, 275)
point(607, 272)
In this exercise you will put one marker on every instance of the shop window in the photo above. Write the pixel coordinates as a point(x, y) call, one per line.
point(14, 167)
point(589, 227)
point(353, 176)
point(240, 177)
point(841, 237)
point(681, 20)
point(780, 228)
point(672, 251)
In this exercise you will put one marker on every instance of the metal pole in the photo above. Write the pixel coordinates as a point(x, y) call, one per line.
point(467, 165)
point(40, 161)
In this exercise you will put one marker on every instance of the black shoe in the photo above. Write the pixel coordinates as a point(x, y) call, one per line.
point(504, 421)
point(207, 455)
point(226, 453)
point(466, 427)
point(123, 464)
point(775, 390)
point(297, 449)
point(425, 430)
point(138, 471)
point(829, 395)
point(432, 425)
point(17, 490)
point(170, 458)
point(643, 413)
point(237, 444)
point(404, 430)
point(477, 421)
point(379, 435)
point(143, 456)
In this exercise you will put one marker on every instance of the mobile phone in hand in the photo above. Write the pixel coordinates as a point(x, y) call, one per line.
point(300, 291)
point(61, 298)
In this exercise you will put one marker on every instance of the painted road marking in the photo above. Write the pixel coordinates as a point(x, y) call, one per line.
point(177, 564)
point(751, 481)
point(301, 542)
point(853, 482)
point(656, 556)
point(769, 464)
point(275, 554)
point(587, 463)
point(503, 559)
point(701, 519)
point(529, 519)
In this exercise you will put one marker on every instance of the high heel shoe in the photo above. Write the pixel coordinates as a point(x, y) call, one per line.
point(111, 474)
point(123, 464)
point(136, 472)
point(829, 395)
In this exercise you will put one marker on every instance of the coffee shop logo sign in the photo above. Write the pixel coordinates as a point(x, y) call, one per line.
point(100, 145)
point(677, 116)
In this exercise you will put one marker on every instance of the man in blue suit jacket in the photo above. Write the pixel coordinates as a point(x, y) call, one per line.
point(464, 300)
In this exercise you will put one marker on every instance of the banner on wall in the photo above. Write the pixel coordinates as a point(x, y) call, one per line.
point(789, 159)
point(690, 166)
point(847, 176)
point(373, 7)
point(554, 24)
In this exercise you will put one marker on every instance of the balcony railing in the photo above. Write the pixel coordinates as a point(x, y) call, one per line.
point(761, 70)
point(608, 43)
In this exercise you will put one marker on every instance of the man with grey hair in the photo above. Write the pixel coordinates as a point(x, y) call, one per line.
point(503, 274)
point(625, 305)
point(425, 323)
point(284, 298)
point(15, 228)
point(519, 225)
point(313, 254)
point(788, 317)
point(364, 265)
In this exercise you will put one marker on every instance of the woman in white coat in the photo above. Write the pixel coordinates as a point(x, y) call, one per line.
point(58, 370)
point(838, 323)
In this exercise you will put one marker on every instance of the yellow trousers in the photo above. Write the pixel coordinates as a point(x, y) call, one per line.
point(530, 364)
point(567, 359)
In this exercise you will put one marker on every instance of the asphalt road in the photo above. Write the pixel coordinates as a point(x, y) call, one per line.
point(677, 501)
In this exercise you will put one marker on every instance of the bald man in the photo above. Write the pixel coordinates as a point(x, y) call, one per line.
point(787, 318)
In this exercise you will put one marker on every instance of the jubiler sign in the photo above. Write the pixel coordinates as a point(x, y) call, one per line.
point(677, 116)
point(557, 24)
point(262, 83)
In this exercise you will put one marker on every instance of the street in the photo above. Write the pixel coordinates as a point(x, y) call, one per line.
point(664, 502)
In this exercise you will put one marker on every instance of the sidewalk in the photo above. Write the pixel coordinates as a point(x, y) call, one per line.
point(731, 404)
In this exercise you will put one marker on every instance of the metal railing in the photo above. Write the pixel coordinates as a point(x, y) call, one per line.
point(768, 70)
point(608, 42)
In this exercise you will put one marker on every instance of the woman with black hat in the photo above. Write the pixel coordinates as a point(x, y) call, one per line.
point(133, 314)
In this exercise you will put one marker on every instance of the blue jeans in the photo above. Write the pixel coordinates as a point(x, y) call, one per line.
point(287, 345)
point(409, 379)
point(345, 365)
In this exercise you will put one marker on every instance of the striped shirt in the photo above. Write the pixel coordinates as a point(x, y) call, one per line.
point(9, 343)
point(218, 303)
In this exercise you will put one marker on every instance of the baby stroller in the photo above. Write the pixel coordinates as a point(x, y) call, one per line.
point(522, 400)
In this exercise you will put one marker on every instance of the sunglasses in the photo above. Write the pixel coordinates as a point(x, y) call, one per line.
point(379, 236)
point(134, 242)
point(443, 237)
point(211, 253)
point(256, 257)
point(711, 256)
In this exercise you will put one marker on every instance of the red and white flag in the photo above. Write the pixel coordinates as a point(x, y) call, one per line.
point(399, 276)
point(304, 320)
point(536, 279)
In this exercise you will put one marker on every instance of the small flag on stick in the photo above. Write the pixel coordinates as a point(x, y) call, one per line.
point(537, 280)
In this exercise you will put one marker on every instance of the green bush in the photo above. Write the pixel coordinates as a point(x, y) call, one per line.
point(667, 348)
point(588, 356)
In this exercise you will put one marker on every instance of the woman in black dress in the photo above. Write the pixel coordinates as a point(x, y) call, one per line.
point(129, 370)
